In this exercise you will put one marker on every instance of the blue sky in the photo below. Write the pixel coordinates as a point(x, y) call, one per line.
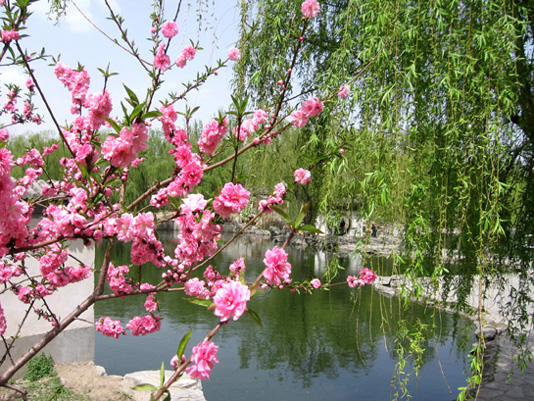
point(76, 41)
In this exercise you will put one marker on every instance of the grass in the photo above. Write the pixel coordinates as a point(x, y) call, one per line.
point(45, 389)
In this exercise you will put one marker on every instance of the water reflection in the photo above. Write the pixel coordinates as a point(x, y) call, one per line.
point(337, 344)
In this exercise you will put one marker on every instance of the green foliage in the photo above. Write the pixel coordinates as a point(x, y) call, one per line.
point(40, 367)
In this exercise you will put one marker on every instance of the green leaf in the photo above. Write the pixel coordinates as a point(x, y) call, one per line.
point(302, 214)
point(151, 114)
point(114, 125)
point(168, 396)
point(183, 344)
point(202, 302)
point(311, 229)
point(136, 111)
point(145, 387)
point(131, 95)
point(282, 213)
point(255, 316)
point(162, 374)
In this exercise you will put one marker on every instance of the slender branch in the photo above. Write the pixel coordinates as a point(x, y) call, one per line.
point(43, 97)
point(177, 373)
point(132, 49)
point(132, 52)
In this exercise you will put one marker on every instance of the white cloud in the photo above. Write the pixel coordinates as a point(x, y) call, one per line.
point(13, 75)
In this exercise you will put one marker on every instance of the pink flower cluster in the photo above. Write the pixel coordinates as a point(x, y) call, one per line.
point(211, 136)
point(276, 199)
point(366, 277)
point(15, 213)
point(109, 327)
point(233, 199)
point(118, 281)
point(198, 234)
point(310, 8)
point(310, 108)
point(121, 151)
point(143, 325)
point(196, 288)
point(231, 300)
point(204, 357)
point(188, 54)
point(9, 35)
point(76, 81)
point(250, 125)
point(162, 60)
point(238, 267)
point(302, 176)
point(278, 268)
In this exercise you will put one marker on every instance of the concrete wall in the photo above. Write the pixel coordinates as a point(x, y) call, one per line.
point(77, 343)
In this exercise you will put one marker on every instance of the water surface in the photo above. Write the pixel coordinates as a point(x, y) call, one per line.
point(337, 344)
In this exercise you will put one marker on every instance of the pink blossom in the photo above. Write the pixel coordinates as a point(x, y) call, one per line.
point(312, 107)
point(169, 29)
point(30, 84)
point(237, 267)
point(122, 151)
point(310, 8)
point(341, 151)
point(24, 294)
point(3, 322)
point(175, 363)
point(302, 176)
point(161, 59)
point(109, 327)
point(181, 61)
point(193, 203)
point(4, 135)
point(280, 191)
point(142, 325)
point(9, 35)
point(99, 105)
point(204, 357)
point(315, 283)
point(278, 268)
point(151, 303)
point(234, 54)
point(299, 118)
point(6, 162)
point(212, 135)
point(231, 300)
point(76, 81)
point(233, 199)
point(189, 52)
point(366, 277)
point(196, 288)
point(118, 282)
point(343, 92)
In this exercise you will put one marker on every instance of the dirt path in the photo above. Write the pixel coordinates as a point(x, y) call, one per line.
point(86, 378)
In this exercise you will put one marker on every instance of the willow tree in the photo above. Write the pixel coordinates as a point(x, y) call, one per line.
point(439, 135)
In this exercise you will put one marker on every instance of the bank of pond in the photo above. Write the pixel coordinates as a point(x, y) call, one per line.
point(342, 344)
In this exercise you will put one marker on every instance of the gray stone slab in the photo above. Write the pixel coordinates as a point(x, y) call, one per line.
point(185, 388)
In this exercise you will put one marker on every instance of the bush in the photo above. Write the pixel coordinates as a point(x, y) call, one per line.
point(39, 367)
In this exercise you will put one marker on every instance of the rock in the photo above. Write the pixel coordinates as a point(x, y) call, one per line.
point(185, 388)
point(489, 333)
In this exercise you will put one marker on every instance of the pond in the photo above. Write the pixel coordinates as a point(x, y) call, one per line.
point(337, 344)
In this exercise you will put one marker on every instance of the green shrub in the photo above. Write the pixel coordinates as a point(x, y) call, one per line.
point(39, 367)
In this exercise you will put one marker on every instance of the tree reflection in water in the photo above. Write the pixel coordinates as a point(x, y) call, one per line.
point(337, 344)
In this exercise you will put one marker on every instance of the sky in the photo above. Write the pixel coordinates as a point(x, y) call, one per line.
point(75, 41)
